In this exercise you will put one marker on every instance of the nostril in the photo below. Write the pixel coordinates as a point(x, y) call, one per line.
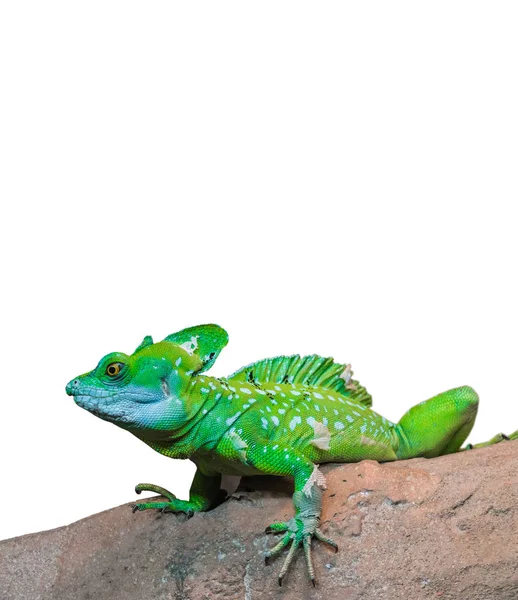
point(72, 386)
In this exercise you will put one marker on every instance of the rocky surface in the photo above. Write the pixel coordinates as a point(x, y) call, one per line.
point(423, 529)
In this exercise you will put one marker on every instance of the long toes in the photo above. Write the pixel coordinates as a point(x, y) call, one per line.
point(276, 528)
point(289, 558)
point(499, 437)
point(276, 550)
point(150, 487)
point(307, 554)
point(295, 540)
point(323, 538)
point(146, 505)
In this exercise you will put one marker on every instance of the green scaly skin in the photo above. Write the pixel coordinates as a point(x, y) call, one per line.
point(280, 416)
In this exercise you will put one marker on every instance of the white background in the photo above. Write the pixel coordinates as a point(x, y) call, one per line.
point(332, 177)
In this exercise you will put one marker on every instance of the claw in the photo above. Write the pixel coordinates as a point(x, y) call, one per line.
point(500, 437)
point(276, 528)
point(323, 538)
point(289, 558)
point(276, 550)
point(307, 555)
point(302, 536)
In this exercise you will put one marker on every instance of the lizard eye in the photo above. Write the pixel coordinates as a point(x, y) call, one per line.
point(113, 369)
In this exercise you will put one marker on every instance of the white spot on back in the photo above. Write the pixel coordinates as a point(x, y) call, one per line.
point(322, 435)
point(294, 422)
point(238, 443)
point(230, 420)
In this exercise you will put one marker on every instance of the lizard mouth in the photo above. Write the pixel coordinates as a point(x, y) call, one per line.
point(101, 407)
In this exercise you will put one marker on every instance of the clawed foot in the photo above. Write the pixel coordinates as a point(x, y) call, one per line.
point(500, 437)
point(297, 531)
point(173, 504)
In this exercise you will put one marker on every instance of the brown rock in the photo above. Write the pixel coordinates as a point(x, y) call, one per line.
point(419, 529)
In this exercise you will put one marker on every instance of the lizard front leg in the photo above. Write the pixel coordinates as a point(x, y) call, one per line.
point(204, 493)
point(307, 500)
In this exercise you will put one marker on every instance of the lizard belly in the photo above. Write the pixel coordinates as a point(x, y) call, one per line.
point(225, 466)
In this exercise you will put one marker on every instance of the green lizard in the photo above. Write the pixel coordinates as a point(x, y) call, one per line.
point(279, 416)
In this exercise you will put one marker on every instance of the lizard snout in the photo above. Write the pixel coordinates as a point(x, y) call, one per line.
point(72, 387)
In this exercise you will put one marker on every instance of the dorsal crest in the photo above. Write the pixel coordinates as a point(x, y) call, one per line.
point(312, 370)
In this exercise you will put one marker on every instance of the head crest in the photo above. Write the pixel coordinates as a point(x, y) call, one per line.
point(204, 341)
point(147, 341)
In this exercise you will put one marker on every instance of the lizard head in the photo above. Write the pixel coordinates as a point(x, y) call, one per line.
point(146, 390)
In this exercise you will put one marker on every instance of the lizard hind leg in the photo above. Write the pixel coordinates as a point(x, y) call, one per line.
point(307, 500)
point(437, 426)
point(300, 529)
